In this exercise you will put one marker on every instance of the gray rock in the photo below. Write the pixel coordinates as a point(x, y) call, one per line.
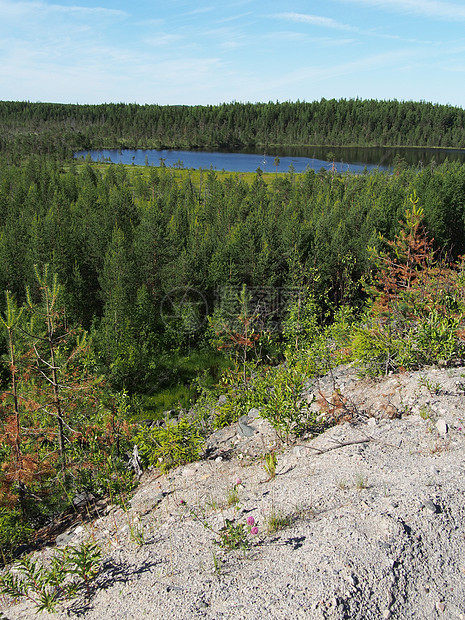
point(64, 539)
point(188, 471)
point(244, 429)
point(442, 427)
point(82, 499)
point(431, 506)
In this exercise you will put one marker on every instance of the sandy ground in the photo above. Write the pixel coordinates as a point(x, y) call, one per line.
point(367, 520)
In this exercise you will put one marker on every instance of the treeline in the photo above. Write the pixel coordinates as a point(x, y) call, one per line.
point(121, 240)
point(61, 128)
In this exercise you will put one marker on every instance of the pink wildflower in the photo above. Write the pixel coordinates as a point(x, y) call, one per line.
point(254, 531)
point(250, 521)
point(238, 482)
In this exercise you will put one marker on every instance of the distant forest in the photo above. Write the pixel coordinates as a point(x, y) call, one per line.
point(60, 129)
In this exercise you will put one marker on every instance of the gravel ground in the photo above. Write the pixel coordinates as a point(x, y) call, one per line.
point(364, 521)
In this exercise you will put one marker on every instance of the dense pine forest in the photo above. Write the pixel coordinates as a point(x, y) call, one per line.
point(60, 129)
point(133, 291)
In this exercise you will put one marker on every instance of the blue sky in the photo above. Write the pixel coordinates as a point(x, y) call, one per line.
point(185, 52)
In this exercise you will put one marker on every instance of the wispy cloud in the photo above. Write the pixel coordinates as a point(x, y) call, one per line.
point(162, 39)
point(348, 68)
point(327, 22)
point(425, 8)
point(201, 10)
point(233, 18)
point(313, 20)
point(17, 9)
point(301, 37)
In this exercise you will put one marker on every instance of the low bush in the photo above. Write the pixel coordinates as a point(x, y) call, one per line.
point(173, 443)
point(70, 570)
point(13, 532)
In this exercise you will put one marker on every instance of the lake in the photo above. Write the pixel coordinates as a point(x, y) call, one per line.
point(346, 159)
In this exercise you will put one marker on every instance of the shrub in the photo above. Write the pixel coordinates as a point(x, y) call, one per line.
point(13, 532)
point(279, 397)
point(416, 307)
point(321, 347)
point(175, 443)
point(47, 586)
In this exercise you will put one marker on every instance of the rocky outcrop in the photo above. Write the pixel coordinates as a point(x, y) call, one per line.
point(365, 521)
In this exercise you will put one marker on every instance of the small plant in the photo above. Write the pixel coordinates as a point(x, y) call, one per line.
point(232, 498)
point(46, 586)
point(175, 443)
point(425, 412)
point(136, 534)
point(84, 562)
point(212, 503)
point(433, 387)
point(361, 482)
point(136, 529)
point(233, 494)
point(237, 535)
point(270, 462)
point(281, 403)
point(216, 563)
point(232, 535)
point(342, 484)
point(277, 520)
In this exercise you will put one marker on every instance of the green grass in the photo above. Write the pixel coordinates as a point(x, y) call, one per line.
point(180, 175)
point(177, 389)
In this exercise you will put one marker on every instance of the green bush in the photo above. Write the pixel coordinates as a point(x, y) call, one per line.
point(437, 338)
point(380, 347)
point(175, 443)
point(70, 570)
point(279, 398)
point(13, 532)
point(328, 347)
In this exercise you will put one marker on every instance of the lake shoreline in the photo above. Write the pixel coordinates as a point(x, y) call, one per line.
point(278, 158)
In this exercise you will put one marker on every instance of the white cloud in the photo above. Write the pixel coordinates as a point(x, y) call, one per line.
point(162, 39)
point(285, 36)
point(328, 22)
point(15, 10)
point(423, 8)
point(233, 18)
point(313, 20)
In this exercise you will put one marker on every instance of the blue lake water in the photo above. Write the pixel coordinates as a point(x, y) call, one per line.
point(346, 159)
point(231, 162)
